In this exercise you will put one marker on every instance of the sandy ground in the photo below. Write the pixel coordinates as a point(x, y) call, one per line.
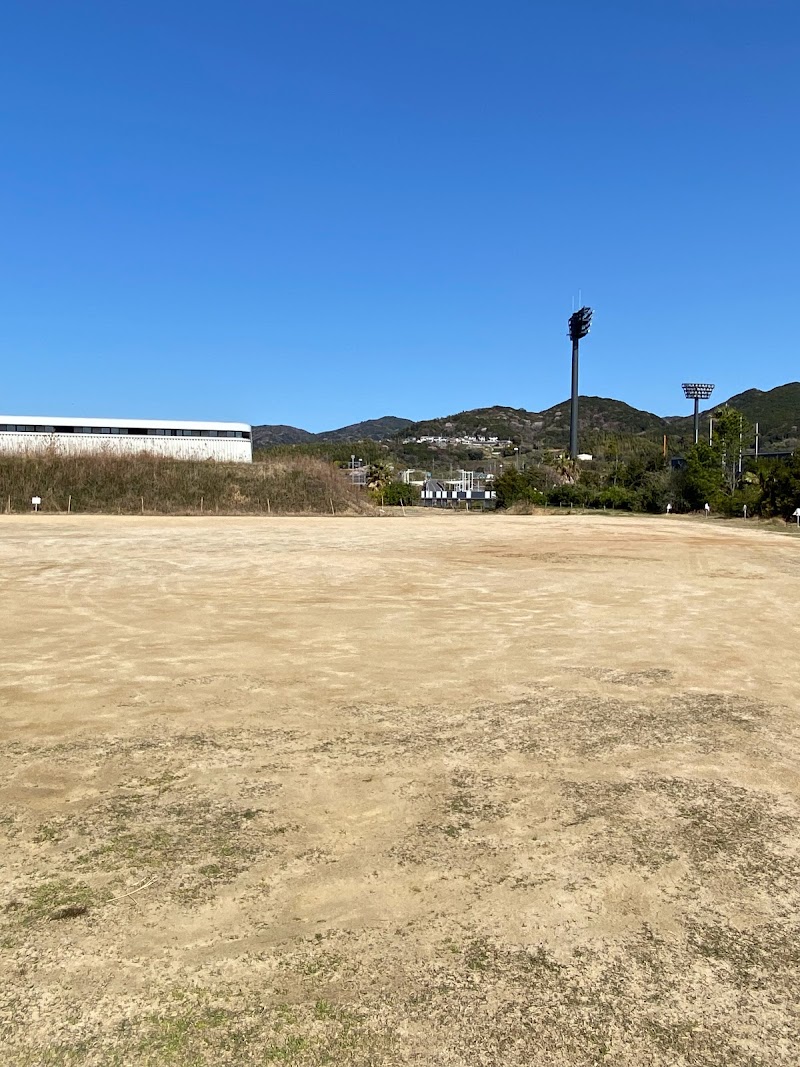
point(457, 790)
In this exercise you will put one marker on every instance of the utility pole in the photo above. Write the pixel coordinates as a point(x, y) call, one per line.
point(579, 325)
point(740, 446)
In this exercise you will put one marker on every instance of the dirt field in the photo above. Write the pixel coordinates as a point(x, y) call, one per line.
point(446, 790)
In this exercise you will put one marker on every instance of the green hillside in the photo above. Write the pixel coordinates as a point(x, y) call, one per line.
point(372, 429)
point(498, 421)
point(777, 412)
point(549, 428)
point(268, 436)
point(597, 414)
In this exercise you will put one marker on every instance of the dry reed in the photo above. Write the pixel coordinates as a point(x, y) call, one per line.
point(131, 484)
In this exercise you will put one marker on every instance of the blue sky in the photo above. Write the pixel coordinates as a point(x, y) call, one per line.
point(318, 211)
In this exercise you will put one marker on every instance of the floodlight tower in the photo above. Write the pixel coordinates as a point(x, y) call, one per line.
point(697, 391)
point(579, 325)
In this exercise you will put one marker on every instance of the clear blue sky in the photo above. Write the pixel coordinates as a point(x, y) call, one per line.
point(318, 211)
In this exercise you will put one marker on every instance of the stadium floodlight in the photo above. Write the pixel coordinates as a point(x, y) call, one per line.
point(697, 391)
point(580, 323)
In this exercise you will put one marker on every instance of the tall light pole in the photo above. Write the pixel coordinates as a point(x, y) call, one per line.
point(579, 324)
point(697, 391)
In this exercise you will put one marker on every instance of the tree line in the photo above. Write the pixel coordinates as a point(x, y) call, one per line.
point(635, 475)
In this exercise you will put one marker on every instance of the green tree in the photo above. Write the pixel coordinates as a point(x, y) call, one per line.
point(703, 480)
point(396, 493)
point(779, 486)
point(617, 496)
point(712, 472)
point(514, 485)
point(731, 429)
point(573, 494)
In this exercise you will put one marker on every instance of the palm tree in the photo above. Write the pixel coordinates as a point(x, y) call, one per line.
point(567, 470)
point(378, 476)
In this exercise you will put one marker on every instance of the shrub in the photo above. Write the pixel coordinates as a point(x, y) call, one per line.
point(572, 494)
point(396, 493)
point(519, 486)
point(618, 496)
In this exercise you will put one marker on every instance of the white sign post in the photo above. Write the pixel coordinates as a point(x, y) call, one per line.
point(36, 501)
point(796, 514)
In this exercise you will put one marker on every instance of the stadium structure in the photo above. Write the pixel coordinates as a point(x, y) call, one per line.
point(229, 442)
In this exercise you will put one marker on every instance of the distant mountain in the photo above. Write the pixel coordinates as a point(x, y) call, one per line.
point(601, 414)
point(372, 429)
point(264, 436)
point(495, 421)
point(777, 412)
point(549, 427)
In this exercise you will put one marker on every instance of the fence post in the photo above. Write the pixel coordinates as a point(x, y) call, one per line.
point(142, 505)
point(69, 504)
point(8, 505)
point(269, 509)
point(333, 512)
point(201, 505)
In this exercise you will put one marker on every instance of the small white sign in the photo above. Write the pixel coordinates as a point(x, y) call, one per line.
point(796, 514)
point(36, 501)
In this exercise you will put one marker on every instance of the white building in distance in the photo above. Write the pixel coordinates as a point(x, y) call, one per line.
point(228, 442)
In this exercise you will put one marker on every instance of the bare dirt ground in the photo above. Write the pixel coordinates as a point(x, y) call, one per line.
point(447, 790)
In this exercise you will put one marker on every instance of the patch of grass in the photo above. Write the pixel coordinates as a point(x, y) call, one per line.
point(287, 1051)
point(50, 831)
point(478, 955)
point(64, 1056)
point(324, 963)
point(47, 896)
point(651, 821)
point(538, 960)
point(193, 842)
point(747, 955)
point(9, 826)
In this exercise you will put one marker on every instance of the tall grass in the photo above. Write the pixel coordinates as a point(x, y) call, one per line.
point(105, 483)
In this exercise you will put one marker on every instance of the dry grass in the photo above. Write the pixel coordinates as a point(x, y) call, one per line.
point(105, 483)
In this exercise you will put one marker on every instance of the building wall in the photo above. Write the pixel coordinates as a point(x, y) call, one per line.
point(230, 450)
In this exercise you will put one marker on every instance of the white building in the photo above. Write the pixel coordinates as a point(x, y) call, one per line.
point(228, 442)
